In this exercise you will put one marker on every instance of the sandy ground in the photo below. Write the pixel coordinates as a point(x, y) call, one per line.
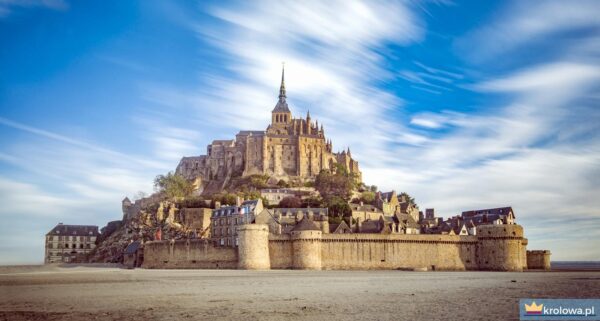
point(109, 293)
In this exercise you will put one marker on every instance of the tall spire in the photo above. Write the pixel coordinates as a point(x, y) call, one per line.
point(282, 87)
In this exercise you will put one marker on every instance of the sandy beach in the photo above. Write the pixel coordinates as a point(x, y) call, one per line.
point(110, 293)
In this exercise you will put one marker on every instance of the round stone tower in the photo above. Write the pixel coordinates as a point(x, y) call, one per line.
point(500, 247)
point(253, 247)
point(306, 245)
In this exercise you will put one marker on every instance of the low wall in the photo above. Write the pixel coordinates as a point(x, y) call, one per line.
point(188, 254)
point(538, 260)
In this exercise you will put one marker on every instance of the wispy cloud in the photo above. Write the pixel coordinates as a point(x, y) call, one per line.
point(523, 23)
point(8, 6)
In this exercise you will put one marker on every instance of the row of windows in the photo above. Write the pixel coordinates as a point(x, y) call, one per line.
point(224, 231)
point(281, 118)
point(229, 220)
point(228, 242)
point(71, 238)
point(68, 246)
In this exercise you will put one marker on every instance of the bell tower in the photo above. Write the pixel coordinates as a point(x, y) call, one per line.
point(281, 114)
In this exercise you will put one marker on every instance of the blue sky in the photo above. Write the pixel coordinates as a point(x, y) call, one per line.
point(464, 105)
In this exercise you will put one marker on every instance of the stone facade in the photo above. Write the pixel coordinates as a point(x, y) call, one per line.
point(70, 243)
point(495, 247)
point(289, 149)
point(197, 220)
point(226, 220)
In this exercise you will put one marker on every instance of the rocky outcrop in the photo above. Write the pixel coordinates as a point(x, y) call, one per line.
point(142, 226)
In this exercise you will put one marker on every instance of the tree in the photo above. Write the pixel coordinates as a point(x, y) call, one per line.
point(224, 199)
point(312, 201)
point(339, 184)
point(367, 197)
point(409, 198)
point(282, 183)
point(338, 207)
point(290, 202)
point(373, 188)
point(173, 185)
point(139, 195)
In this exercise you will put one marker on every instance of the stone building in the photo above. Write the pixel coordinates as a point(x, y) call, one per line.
point(289, 149)
point(391, 203)
point(283, 220)
point(365, 211)
point(275, 195)
point(226, 220)
point(69, 243)
point(133, 255)
point(500, 215)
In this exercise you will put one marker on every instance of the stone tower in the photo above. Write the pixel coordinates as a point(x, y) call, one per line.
point(306, 245)
point(500, 247)
point(253, 247)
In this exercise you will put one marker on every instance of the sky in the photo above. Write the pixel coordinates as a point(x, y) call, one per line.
point(464, 105)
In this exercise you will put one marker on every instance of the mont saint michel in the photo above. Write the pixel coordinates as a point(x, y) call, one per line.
point(281, 199)
point(299, 160)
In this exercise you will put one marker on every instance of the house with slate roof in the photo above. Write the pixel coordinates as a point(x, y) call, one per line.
point(70, 243)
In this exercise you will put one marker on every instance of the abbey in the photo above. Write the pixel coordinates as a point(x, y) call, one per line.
point(289, 149)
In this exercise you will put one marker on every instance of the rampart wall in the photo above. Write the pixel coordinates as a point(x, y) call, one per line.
point(188, 254)
point(495, 247)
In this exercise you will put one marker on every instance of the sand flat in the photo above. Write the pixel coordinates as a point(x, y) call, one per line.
point(108, 293)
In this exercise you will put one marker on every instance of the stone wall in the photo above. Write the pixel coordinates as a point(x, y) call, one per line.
point(188, 254)
point(374, 251)
point(280, 251)
point(538, 260)
point(495, 247)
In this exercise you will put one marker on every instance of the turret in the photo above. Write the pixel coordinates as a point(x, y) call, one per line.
point(253, 247)
point(306, 245)
point(500, 247)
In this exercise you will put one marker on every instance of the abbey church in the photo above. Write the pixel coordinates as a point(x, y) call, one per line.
point(292, 149)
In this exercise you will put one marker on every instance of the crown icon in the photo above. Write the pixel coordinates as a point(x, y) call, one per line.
point(533, 308)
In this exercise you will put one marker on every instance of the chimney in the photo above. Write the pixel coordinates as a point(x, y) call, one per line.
point(361, 203)
point(238, 201)
point(358, 225)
